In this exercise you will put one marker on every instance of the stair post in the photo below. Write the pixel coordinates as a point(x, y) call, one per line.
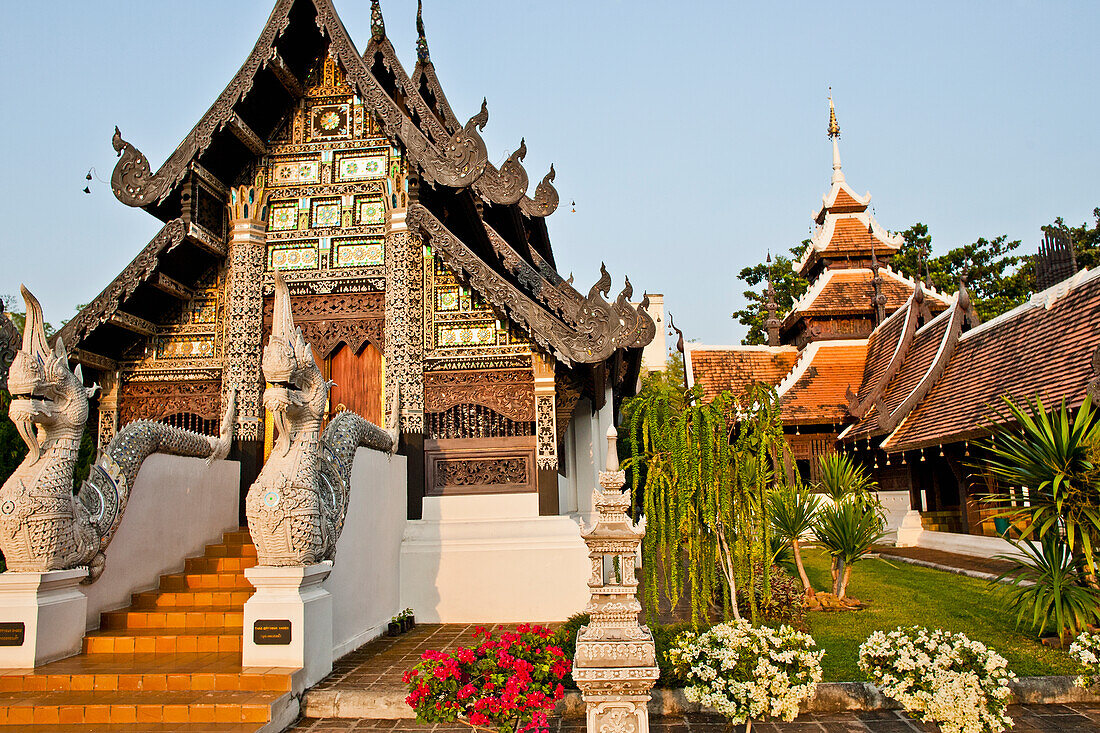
point(42, 616)
point(616, 662)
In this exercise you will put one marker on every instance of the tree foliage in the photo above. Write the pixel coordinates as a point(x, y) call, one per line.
point(704, 494)
point(789, 287)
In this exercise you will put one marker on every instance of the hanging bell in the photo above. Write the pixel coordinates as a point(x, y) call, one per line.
point(87, 190)
point(922, 454)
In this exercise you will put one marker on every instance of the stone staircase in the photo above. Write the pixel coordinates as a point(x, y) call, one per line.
point(171, 661)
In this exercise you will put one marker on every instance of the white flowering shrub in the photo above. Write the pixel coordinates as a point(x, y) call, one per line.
point(940, 677)
point(745, 672)
point(1086, 650)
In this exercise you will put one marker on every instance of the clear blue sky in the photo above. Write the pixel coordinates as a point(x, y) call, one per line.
point(690, 135)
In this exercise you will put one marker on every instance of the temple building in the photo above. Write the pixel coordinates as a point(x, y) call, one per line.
point(819, 348)
point(421, 274)
point(901, 376)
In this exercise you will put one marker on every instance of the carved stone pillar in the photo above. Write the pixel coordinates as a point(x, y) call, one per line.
point(404, 313)
point(616, 662)
point(244, 309)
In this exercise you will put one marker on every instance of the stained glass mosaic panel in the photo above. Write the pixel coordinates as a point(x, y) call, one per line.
point(466, 335)
point(329, 121)
point(185, 347)
point(447, 299)
point(295, 171)
point(369, 210)
point(295, 257)
point(325, 213)
point(359, 252)
point(360, 167)
point(283, 217)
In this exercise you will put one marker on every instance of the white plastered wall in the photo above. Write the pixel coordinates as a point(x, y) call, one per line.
point(177, 506)
point(365, 582)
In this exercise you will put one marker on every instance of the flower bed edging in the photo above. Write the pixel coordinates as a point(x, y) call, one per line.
point(832, 697)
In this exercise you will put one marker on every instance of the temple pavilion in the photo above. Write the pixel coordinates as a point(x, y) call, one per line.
point(898, 374)
point(421, 273)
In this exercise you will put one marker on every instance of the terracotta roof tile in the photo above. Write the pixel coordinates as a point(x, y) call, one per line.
point(922, 351)
point(818, 394)
point(1036, 350)
point(850, 236)
point(737, 369)
point(882, 344)
point(844, 202)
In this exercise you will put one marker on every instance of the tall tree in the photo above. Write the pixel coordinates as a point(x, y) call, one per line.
point(998, 279)
point(789, 287)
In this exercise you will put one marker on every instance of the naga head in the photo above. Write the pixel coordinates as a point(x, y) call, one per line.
point(44, 391)
point(298, 391)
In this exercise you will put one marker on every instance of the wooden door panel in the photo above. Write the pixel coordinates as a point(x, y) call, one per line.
point(358, 380)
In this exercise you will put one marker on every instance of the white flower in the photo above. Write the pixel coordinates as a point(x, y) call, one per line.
point(940, 677)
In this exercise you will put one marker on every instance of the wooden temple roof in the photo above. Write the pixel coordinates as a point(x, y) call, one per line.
point(1048, 347)
point(847, 291)
point(736, 368)
point(495, 235)
point(815, 391)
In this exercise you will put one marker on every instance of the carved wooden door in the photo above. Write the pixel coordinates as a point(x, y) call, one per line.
point(358, 380)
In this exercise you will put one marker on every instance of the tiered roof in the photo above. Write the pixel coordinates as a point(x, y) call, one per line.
point(815, 390)
point(851, 291)
point(845, 231)
point(494, 235)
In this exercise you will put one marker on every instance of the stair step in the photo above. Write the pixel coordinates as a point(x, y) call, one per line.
point(163, 641)
point(229, 617)
point(135, 728)
point(197, 671)
point(204, 581)
point(223, 550)
point(117, 706)
point(238, 537)
point(190, 599)
point(218, 564)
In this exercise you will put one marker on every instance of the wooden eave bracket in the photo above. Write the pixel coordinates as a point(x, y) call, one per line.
point(171, 287)
point(245, 134)
point(205, 239)
point(93, 361)
point(133, 323)
point(285, 76)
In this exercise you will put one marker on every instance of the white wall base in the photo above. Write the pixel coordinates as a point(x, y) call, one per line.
point(492, 559)
point(967, 544)
point(51, 607)
point(895, 504)
point(291, 594)
point(910, 529)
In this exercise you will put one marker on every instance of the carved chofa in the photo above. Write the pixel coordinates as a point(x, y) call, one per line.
point(297, 505)
point(43, 526)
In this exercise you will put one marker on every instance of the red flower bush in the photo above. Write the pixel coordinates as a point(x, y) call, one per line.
point(509, 682)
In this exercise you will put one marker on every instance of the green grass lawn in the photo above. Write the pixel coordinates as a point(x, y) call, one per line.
point(906, 595)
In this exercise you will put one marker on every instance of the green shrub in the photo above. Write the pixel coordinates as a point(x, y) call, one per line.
point(787, 604)
point(566, 638)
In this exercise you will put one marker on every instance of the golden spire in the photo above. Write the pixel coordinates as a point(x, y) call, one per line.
point(834, 127)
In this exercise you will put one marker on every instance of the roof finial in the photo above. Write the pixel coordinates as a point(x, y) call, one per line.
point(377, 25)
point(771, 323)
point(834, 135)
point(421, 39)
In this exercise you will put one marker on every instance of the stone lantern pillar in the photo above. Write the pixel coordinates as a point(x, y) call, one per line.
point(616, 663)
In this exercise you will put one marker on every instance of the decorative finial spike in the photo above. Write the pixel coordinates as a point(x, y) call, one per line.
point(377, 25)
point(612, 449)
point(834, 135)
point(421, 38)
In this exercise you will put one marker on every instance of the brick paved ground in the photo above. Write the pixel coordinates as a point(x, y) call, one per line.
point(1028, 719)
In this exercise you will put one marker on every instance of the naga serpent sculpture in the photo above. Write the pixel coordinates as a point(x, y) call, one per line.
point(297, 505)
point(43, 525)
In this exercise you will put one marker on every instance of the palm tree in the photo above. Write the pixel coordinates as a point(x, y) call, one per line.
point(844, 481)
point(794, 512)
point(847, 532)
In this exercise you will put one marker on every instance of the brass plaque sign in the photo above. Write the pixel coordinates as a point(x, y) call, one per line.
point(271, 632)
point(12, 633)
